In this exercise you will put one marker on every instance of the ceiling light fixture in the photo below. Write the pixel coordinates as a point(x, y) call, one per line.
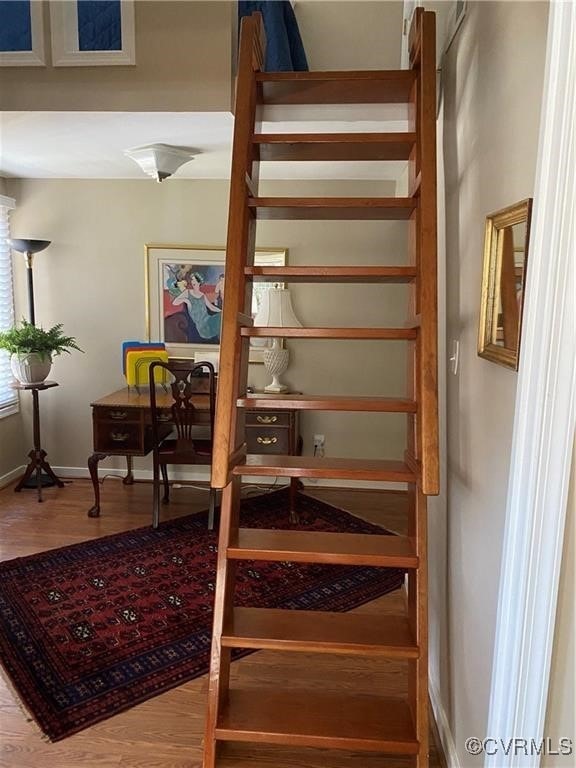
point(160, 160)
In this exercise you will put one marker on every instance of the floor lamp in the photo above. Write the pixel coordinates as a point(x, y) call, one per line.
point(29, 248)
point(39, 473)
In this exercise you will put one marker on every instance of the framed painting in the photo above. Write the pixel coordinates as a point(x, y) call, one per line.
point(185, 289)
point(92, 33)
point(21, 34)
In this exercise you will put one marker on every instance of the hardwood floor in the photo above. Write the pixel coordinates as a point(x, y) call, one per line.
point(166, 732)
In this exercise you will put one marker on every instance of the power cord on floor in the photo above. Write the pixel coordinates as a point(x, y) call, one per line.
point(246, 490)
point(107, 475)
point(258, 490)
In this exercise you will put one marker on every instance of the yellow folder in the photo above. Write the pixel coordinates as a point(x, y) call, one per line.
point(138, 363)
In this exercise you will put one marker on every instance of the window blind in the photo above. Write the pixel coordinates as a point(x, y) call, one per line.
point(8, 396)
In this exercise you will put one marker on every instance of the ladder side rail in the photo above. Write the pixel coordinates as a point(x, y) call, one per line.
point(424, 60)
point(413, 389)
point(414, 421)
point(228, 431)
point(418, 618)
point(220, 657)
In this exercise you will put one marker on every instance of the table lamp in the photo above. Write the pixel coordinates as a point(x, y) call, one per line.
point(29, 248)
point(276, 311)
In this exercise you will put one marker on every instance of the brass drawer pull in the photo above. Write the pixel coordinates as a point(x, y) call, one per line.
point(118, 415)
point(267, 419)
point(119, 437)
point(266, 440)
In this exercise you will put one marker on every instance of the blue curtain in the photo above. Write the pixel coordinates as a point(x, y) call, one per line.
point(284, 48)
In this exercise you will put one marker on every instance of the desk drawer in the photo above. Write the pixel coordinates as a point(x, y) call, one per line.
point(117, 438)
point(268, 418)
point(262, 439)
point(118, 414)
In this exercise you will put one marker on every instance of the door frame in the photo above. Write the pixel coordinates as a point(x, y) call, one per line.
point(543, 436)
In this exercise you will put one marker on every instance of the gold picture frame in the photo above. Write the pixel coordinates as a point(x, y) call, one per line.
point(170, 314)
point(506, 240)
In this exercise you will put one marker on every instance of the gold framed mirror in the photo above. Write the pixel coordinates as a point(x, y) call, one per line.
point(506, 240)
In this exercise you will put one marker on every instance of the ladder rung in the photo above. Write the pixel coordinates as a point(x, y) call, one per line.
point(334, 146)
point(310, 466)
point(338, 208)
point(321, 632)
point(370, 87)
point(329, 403)
point(318, 274)
point(389, 334)
point(384, 551)
point(317, 719)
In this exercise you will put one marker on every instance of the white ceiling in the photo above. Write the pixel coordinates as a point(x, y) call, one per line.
point(90, 145)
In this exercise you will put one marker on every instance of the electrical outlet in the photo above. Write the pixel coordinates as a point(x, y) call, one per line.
point(319, 444)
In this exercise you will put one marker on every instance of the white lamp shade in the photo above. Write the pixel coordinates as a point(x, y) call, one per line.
point(276, 310)
point(160, 160)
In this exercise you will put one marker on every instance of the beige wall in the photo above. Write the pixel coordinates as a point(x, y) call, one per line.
point(492, 80)
point(185, 56)
point(561, 714)
point(332, 30)
point(92, 280)
point(183, 63)
point(15, 442)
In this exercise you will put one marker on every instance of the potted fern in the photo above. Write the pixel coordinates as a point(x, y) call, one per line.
point(32, 348)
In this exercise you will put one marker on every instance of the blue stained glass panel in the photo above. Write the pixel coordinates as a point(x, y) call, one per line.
point(15, 25)
point(99, 25)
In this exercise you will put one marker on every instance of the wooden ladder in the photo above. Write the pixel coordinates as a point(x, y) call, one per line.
point(397, 726)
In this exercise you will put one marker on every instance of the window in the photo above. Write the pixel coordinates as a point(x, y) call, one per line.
point(8, 396)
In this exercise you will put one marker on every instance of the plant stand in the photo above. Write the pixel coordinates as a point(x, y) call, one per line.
point(44, 474)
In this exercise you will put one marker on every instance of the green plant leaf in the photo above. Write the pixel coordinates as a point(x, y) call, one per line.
point(33, 338)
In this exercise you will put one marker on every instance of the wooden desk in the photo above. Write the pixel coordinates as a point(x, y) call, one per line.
point(121, 426)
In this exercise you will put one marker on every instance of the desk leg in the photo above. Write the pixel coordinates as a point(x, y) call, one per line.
point(93, 469)
point(129, 479)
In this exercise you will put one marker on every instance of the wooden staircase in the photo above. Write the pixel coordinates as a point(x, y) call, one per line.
point(396, 726)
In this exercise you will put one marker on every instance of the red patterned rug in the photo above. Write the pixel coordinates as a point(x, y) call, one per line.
point(92, 629)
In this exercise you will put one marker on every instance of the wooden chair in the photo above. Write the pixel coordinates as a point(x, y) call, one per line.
point(179, 427)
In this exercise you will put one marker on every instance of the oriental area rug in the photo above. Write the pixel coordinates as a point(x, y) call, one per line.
point(92, 629)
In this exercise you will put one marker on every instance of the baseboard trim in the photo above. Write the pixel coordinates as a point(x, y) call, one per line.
point(201, 474)
point(9, 477)
point(446, 740)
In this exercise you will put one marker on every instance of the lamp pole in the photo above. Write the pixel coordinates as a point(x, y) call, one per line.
point(29, 248)
point(29, 256)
